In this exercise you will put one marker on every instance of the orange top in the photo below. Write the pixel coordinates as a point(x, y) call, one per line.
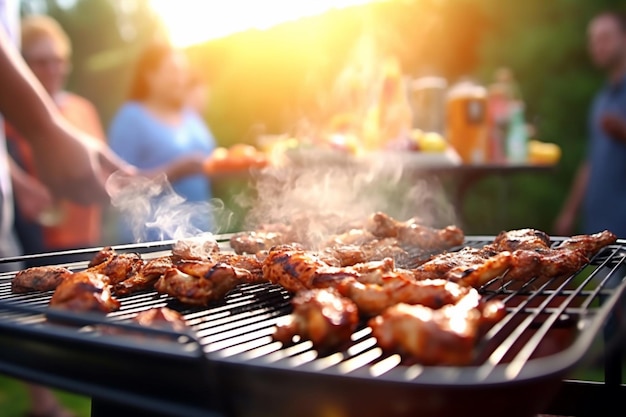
point(81, 225)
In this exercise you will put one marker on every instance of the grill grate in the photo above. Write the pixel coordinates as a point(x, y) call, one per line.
point(549, 326)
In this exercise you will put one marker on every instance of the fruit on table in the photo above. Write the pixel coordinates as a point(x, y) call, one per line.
point(432, 142)
point(236, 158)
point(543, 153)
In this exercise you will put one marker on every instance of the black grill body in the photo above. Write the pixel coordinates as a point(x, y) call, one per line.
point(228, 363)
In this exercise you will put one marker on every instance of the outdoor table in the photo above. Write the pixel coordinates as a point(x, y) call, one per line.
point(465, 176)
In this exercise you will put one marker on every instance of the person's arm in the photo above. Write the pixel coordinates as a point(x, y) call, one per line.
point(72, 164)
point(32, 197)
point(564, 225)
point(178, 169)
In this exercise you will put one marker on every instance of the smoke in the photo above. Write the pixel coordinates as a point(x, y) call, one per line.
point(322, 196)
point(152, 210)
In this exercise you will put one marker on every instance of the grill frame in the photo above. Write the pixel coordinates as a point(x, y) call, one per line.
point(212, 381)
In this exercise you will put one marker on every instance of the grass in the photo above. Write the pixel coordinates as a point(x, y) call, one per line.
point(14, 399)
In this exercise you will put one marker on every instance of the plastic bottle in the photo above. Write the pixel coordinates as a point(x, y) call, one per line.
point(517, 136)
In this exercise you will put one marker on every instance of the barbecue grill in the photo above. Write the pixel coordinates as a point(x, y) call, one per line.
point(228, 364)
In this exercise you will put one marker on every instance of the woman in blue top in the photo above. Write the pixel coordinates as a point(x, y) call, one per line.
point(156, 132)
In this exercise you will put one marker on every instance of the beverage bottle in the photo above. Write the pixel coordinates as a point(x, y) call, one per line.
point(428, 101)
point(497, 122)
point(517, 136)
point(466, 127)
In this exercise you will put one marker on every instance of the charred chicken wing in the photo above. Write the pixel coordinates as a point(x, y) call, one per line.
point(195, 249)
point(468, 266)
point(413, 234)
point(144, 278)
point(532, 255)
point(199, 282)
point(119, 267)
point(446, 336)
point(320, 315)
point(164, 318)
point(85, 291)
point(39, 278)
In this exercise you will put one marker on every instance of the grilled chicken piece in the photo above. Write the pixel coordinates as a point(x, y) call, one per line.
point(163, 318)
point(373, 298)
point(413, 234)
point(145, 278)
point(103, 255)
point(85, 291)
point(446, 336)
point(521, 239)
point(194, 249)
point(297, 269)
point(322, 316)
point(589, 244)
point(532, 255)
point(250, 263)
point(199, 282)
point(119, 267)
point(374, 250)
point(373, 286)
point(255, 242)
point(39, 278)
point(469, 266)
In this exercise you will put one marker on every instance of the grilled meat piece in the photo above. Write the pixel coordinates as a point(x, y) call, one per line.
point(39, 278)
point(469, 266)
point(263, 238)
point(251, 263)
point(85, 291)
point(589, 244)
point(119, 267)
point(103, 255)
point(533, 256)
point(145, 278)
point(396, 287)
point(373, 286)
point(164, 318)
point(194, 249)
point(199, 282)
point(255, 242)
point(297, 269)
point(374, 250)
point(320, 315)
point(446, 336)
point(413, 234)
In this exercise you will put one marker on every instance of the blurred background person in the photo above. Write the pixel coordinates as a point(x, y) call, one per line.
point(43, 224)
point(598, 187)
point(198, 94)
point(157, 131)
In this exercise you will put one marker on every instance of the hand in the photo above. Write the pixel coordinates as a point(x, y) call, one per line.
point(76, 166)
point(182, 167)
point(614, 126)
point(32, 197)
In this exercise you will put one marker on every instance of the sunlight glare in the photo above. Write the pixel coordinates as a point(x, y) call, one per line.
point(191, 22)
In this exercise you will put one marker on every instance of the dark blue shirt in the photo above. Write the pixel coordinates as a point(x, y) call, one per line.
point(605, 198)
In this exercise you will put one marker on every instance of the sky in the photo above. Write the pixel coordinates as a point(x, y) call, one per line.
point(191, 22)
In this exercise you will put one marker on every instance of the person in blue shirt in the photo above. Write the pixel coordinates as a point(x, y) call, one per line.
point(598, 188)
point(156, 132)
